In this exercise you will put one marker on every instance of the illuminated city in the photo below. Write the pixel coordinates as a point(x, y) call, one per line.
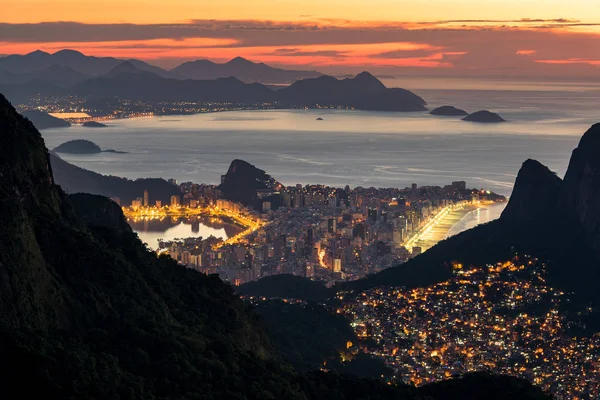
point(503, 318)
point(317, 232)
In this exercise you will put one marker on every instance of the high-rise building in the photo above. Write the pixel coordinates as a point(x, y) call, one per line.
point(175, 201)
point(359, 231)
point(186, 257)
point(337, 265)
point(309, 271)
point(146, 199)
point(372, 214)
point(310, 237)
point(287, 200)
point(266, 206)
point(158, 204)
point(459, 185)
point(298, 200)
point(416, 251)
point(280, 246)
point(332, 225)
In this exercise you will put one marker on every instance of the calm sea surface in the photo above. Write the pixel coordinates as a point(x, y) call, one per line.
point(357, 148)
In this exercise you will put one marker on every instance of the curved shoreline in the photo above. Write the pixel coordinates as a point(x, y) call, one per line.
point(445, 229)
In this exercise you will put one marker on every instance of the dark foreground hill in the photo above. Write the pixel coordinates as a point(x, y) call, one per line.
point(78, 180)
point(86, 312)
point(553, 219)
point(286, 286)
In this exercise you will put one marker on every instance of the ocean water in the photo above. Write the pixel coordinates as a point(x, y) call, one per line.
point(356, 148)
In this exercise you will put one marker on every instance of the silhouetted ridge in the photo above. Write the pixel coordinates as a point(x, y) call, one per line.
point(535, 194)
point(484, 116)
point(243, 180)
point(581, 193)
point(78, 146)
point(78, 180)
point(368, 80)
point(363, 92)
point(448, 111)
point(42, 120)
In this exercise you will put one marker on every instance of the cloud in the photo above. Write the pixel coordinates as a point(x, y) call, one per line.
point(533, 47)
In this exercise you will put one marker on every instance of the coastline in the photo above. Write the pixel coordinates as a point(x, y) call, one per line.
point(458, 221)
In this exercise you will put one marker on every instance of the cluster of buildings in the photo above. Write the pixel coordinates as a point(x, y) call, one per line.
point(107, 109)
point(326, 233)
point(504, 319)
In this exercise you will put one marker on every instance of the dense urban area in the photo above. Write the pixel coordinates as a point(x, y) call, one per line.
point(320, 232)
point(503, 318)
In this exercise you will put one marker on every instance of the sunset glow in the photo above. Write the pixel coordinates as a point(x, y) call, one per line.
point(533, 37)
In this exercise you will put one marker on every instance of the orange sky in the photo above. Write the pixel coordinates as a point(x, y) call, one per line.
point(458, 37)
point(161, 11)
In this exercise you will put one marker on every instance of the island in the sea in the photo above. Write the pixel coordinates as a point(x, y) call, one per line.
point(94, 124)
point(449, 111)
point(82, 146)
point(319, 119)
point(484, 116)
point(78, 146)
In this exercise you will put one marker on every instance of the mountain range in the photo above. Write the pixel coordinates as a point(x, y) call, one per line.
point(70, 73)
point(37, 64)
point(67, 67)
point(73, 179)
point(242, 69)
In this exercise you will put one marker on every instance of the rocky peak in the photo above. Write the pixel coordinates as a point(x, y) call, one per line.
point(25, 172)
point(242, 180)
point(368, 81)
point(581, 189)
point(535, 194)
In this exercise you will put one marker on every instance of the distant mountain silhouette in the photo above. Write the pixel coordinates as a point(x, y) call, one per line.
point(242, 181)
point(56, 75)
point(78, 146)
point(126, 67)
point(69, 72)
point(484, 116)
point(364, 92)
point(94, 124)
point(44, 120)
point(78, 180)
point(87, 65)
point(241, 69)
point(553, 219)
point(143, 85)
point(20, 93)
point(448, 111)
